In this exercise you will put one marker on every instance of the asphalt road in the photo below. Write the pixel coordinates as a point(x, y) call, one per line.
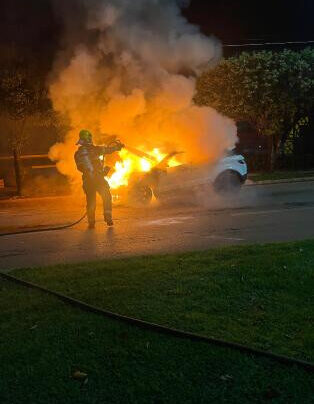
point(262, 213)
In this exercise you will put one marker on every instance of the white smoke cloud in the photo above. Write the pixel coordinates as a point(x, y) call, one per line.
point(133, 74)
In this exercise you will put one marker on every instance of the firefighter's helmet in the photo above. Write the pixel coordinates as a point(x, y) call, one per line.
point(85, 137)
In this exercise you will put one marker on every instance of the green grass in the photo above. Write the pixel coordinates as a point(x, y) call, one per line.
point(258, 295)
point(280, 175)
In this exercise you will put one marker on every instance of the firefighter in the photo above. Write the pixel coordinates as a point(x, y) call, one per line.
point(88, 161)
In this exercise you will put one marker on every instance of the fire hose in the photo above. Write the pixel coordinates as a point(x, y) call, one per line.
point(45, 229)
point(286, 360)
point(308, 366)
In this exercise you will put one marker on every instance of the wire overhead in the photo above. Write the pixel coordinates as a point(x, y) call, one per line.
point(267, 44)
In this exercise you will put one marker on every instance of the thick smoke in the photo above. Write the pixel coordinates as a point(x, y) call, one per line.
point(130, 70)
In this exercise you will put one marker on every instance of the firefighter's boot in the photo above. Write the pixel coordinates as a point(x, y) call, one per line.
point(108, 217)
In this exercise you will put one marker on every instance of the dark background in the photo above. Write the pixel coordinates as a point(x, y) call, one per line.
point(33, 26)
point(245, 21)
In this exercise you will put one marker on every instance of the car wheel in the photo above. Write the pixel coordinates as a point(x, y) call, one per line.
point(228, 182)
point(140, 195)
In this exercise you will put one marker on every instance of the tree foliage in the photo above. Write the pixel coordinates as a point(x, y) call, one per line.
point(271, 90)
point(24, 104)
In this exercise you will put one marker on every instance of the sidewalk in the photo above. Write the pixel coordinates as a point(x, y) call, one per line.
point(280, 181)
point(281, 176)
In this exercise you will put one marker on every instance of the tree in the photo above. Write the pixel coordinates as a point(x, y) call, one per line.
point(24, 103)
point(270, 90)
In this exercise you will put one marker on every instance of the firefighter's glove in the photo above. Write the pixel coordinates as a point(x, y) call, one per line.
point(118, 145)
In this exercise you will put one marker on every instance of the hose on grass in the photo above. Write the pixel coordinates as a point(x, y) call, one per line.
point(45, 229)
point(308, 366)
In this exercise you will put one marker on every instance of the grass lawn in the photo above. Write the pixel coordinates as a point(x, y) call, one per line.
point(280, 175)
point(258, 295)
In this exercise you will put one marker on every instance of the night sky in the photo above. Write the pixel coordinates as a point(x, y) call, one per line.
point(32, 21)
point(32, 28)
point(243, 20)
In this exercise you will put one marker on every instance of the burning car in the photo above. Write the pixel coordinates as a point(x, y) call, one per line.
point(179, 181)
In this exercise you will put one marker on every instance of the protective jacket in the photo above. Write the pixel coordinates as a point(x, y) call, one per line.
point(87, 158)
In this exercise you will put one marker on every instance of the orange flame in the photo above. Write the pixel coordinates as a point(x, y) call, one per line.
point(129, 163)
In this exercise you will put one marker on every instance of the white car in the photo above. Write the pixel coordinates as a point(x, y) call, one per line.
point(225, 177)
